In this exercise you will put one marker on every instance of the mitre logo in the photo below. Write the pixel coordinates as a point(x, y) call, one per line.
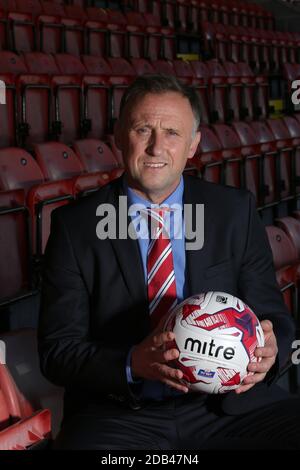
point(221, 299)
point(208, 349)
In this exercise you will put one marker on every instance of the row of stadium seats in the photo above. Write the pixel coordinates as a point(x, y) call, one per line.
point(96, 32)
point(183, 15)
point(62, 98)
point(262, 156)
point(264, 51)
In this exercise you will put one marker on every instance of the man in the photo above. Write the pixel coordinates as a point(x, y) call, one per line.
point(96, 334)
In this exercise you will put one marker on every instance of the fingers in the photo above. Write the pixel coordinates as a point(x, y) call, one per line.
point(243, 388)
point(172, 377)
point(161, 338)
point(267, 326)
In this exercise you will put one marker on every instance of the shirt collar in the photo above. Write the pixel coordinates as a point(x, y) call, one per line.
point(176, 197)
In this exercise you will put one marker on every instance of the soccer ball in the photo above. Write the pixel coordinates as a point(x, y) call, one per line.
point(216, 335)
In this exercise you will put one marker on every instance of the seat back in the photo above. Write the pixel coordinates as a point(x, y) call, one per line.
point(57, 161)
point(22, 360)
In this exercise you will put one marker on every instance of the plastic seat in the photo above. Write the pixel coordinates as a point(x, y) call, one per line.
point(50, 28)
point(154, 39)
point(291, 226)
point(218, 91)
point(122, 75)
point(117, 35)
point(33, 390)
point(232, 158)
point(235, 91)
point(270, 162)
point(67, 96)
point(8, 113)
point(287, 165)
point(85, 184)
point(164, 66)
point(4, 37)
point(284, 258)
point(96, 30)
point(136, 34)
point(95, 155)
point(57, 161)
point(254, 174)
point(142, 66)
point(74, 33)
point(293, 127)
point(23, 32)
point(202, 76)
point(15, 282)
point(160, 38)
point(208, 157)
point(18, 170)
point(41, 200)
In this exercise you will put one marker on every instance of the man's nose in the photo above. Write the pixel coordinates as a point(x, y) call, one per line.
point(155, 145)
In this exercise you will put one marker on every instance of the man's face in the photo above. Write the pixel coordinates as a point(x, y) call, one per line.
point(156, 138)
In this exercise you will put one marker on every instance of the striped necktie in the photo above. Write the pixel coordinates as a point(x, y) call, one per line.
point(160, 269)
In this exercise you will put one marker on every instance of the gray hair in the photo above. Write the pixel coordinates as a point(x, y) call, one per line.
point(159, 84)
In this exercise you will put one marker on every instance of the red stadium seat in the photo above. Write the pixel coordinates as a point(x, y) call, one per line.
point(142, 66)
point(284, 256)
point(136, 34)
point(4, 37)
point(8, 113)
point(232, 158)
point(34, 105)
point(202, 76)
point(95, 155)
point(218, 91)
point(34, 394)
point(255, 178)
point(57, 161)
point(23, 32)
point(270, 162)
point(115, 150)
point(42, 199)
point(117, 34)
point(74, 33)
point(85, 184)
point(97, 105)
point(154, 40)
point(18, 169)
point(122, 75)
point(67, 91)
point(96, 30)
point(15, 282)
point(287, 165)
point(208, 157)
point(291, 226)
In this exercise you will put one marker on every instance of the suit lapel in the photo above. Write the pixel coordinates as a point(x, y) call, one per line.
point(196, 260)
point(128, 254)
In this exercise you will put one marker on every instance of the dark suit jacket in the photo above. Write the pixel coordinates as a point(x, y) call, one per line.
point(94, 298)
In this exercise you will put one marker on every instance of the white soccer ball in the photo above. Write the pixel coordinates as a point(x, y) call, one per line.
point(216, 335)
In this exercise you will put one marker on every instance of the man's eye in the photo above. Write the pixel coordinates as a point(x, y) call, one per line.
point(172, 132)
point(142, 130)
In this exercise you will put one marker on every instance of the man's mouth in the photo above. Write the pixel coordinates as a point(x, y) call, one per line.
point(154, 165)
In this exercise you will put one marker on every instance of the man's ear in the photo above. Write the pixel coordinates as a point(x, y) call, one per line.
point(117, 134)
point(194, 144)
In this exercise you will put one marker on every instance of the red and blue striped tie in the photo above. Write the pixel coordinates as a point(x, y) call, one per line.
point(160, 269)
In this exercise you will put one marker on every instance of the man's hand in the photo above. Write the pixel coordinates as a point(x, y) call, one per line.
point(149, 359)
point(268, 356)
